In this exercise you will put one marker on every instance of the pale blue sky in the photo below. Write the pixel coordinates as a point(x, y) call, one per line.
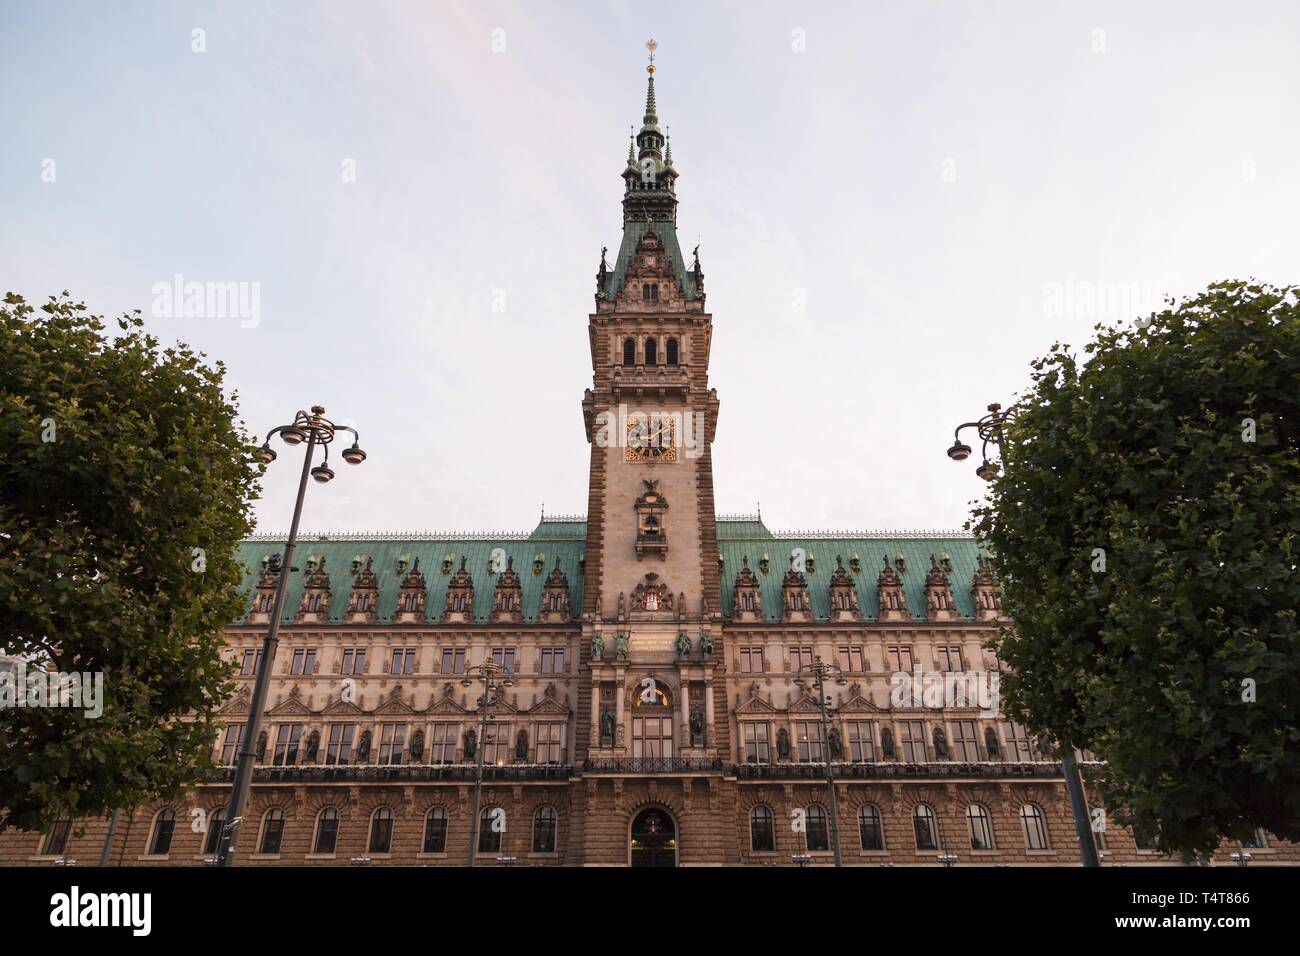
point(927, 176)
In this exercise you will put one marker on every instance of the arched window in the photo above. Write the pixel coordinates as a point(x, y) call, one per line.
point(629, 351)
point(871, 832)
point(327, 831)
point(980, 825)
point(927, 832)
point(544, 830)
point(381, 831)
point(160, 842)
point(651, 351)
point(1031, 818)
point(216, 820)
point(817, 836)
point(762, 829)
point(489, 838)
point(670, 351)
point(435, 831)
point(272, 831)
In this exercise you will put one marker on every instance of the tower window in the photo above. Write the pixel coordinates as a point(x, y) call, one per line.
point(650, 292)
point(671, 351)
point(629, 352)
point(651, 352)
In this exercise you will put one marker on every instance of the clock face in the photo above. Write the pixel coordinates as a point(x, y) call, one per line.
point(651, 438)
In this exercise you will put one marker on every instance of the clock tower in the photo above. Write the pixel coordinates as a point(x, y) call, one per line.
point(652, 607)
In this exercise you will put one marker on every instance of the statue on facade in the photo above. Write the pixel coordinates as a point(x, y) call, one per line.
point(834, 744)
point(313, 746)
point(363, 747)
point(597, 647)
point(470, 744)
point(261, 745)
point(887, 743)
point(991, 743)
point(783, 744)
point(683, 644)
point(940, 742)
point(620, 646)
point(697, 726)
point(417, 745)
point(521, 746)
point(706, 643)
point(607, 724)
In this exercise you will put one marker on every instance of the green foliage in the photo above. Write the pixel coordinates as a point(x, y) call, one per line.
point(1141, 449)
point(97, 564)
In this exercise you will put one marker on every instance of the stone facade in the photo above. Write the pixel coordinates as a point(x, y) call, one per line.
point(662, 706)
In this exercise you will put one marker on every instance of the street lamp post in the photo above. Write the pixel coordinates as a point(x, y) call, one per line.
point(487, 673)
point(314, 429)
point(820, 671)
point(990, 428)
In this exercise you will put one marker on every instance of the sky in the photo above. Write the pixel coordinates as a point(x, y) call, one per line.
point(898, 207)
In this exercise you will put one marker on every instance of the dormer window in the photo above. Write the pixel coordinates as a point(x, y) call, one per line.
point(650, 292)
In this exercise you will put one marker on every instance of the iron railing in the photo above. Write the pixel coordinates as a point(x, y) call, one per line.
point(654, 765)
point(373, 773)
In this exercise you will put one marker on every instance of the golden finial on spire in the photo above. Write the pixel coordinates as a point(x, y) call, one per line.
point(651, 45)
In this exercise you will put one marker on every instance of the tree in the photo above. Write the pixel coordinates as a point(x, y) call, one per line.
point(1145, 533)
point(124, 489)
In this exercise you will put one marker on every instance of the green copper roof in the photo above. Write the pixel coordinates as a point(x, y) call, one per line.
point(962, 552)
point(550, 540)
point(632, 233)
point(566, 539)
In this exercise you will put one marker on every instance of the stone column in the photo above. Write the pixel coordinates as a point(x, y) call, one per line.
point(684, 706)
point(595, 713)
point(618, 713)
point(708, 710)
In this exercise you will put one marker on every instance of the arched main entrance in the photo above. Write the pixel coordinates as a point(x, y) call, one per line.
point(653, 838)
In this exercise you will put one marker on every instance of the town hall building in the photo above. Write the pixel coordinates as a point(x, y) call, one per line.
point(673, 682)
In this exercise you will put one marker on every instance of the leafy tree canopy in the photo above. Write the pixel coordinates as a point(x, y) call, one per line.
point(124, 489)
point(1145, 530)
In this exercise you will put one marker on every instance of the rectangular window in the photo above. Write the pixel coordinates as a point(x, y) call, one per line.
point(965, 741)
point(354, 660)
point(862, 740)
point(251, 659)
point(403, 661)
point(230, 748)
point(392, 740)
point(339, 749)
point(757, 749)
point(949, 657)
point(550, 743)
point(851, 659)
point(808, 735)
point(287, 739)
point(911, 740)
point(496, 744)
point(751, 660)
point(652, 737)
point(443, 749)
point(1019, 747)
point(304, 660)
point(505, 657)
point(552, 660)
point(453, 660)
point(898, 658)
point(800, 657)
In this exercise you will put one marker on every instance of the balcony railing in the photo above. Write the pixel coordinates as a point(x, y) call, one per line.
point(654, 765)
point(893, 770)
point(375, 773)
